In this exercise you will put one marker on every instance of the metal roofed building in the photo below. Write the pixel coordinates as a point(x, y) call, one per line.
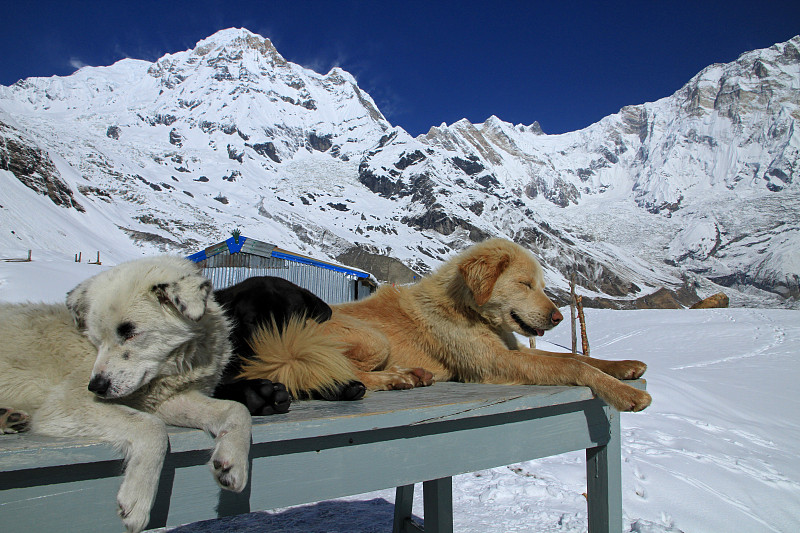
point(231, 261)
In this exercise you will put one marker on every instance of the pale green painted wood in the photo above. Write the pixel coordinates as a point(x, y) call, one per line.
point(437, 497)
point(317, 451)
point(403, 503)
point(604, 481)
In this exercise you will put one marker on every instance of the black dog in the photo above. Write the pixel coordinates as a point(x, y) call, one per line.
point(251, 304)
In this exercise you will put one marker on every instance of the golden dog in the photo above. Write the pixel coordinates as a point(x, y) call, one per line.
point(457, 324)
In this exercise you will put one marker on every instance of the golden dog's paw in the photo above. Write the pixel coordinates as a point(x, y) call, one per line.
point(397, 378)
point(424, 378)
point(629, 369)
point(630, 399)
point(13, 421)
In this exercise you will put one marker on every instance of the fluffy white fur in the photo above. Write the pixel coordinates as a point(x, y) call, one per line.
point(149, 341)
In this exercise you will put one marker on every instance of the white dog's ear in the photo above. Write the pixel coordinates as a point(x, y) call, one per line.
point(480, 273)
point(189, 295)
point(78, 305)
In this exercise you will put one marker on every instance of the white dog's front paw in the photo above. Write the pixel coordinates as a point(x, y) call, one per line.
point(229, 463)
point(134, 507)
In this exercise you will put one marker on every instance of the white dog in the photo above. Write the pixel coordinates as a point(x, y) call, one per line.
point(148, 350)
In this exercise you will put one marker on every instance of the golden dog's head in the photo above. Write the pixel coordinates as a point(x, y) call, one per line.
point(506, 284)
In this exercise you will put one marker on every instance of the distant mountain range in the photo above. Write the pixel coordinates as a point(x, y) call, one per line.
point(692, 194)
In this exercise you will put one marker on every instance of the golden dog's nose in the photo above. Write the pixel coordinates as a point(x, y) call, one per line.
point(556, 317)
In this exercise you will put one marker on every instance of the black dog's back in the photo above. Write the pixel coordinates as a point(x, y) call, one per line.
point(256, 302)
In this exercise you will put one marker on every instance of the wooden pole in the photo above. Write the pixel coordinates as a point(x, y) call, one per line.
point(572, 313)
point(584, 339)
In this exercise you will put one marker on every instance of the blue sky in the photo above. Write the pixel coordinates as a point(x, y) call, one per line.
point(565, 66)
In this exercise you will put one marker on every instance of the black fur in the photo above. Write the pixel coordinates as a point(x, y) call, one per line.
point(250, 304)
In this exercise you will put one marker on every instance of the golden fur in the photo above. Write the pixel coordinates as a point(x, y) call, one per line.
point(458, 324)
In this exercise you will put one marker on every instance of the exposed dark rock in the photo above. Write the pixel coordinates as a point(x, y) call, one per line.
point(221, 199)
point(470, 166)
point(488, 181)
point(113, 132)
point(661, 299)
point(788, 287)
point(384, 268)
point(634, 120)
point(438, 220)
point(234, 154)
point(380, 185)
point(163, 243)
point(33, 167)
point(233, 176)
point(561, 194)
point(175, 138)
point(476, 208)
point(165, 119)
point(714, 301)
point(266, 149)
point(406, 160)
point(320, 143)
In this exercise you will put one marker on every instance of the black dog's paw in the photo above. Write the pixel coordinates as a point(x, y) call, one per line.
point(277, 398)
point(352, 390)
point(261, 396)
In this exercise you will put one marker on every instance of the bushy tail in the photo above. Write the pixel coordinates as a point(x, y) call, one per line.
point(301, 356)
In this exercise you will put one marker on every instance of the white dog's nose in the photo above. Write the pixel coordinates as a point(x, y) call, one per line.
point(99, 384)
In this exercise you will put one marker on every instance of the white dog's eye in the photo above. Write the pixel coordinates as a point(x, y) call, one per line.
point(127, 331)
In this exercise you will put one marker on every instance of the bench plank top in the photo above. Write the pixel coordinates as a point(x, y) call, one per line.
point(383, 409)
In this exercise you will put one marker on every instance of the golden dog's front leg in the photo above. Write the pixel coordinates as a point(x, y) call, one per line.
point(227, 421)
point(529, 368)
point(627, 369)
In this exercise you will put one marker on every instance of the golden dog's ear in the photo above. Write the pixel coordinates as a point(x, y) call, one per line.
point(480, 272)
point(189, 295)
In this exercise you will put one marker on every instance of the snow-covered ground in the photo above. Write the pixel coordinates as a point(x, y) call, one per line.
point(716, 452)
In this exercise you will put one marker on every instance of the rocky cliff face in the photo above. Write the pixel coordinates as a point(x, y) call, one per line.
point(691, 192)
point(20, 155)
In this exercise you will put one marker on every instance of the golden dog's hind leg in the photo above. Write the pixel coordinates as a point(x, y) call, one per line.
point(396, 378)
point(370, 351)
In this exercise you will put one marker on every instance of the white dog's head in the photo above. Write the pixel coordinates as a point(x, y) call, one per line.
point(138, 315)
point(506, 284)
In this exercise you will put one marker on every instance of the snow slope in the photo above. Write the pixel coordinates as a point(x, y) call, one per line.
point(715, 452)
point(695, 191)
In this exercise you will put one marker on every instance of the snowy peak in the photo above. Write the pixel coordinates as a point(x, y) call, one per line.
point(692, 191)
point(238, 39)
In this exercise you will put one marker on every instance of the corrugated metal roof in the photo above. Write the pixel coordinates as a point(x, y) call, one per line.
point(229, 262)
point(262, 249)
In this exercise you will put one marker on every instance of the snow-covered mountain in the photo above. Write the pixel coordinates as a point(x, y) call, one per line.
point(691, 192)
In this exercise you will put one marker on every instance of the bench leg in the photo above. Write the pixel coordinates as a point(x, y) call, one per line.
point(437, 498)
point(604, 481)
point(403, 501)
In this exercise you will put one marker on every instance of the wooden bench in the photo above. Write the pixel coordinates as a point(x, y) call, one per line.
point(324, 450)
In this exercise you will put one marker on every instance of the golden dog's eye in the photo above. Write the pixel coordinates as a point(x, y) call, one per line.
point(527, 284)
